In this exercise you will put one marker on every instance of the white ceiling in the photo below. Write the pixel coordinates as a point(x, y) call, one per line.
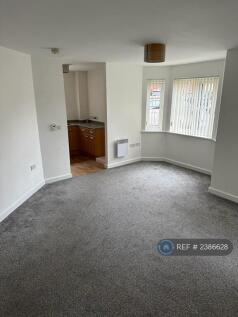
point(115, 31)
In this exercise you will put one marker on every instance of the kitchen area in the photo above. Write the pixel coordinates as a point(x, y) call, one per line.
point(85, 96)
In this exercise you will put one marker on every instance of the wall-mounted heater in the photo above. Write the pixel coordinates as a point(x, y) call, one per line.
point(122, 148)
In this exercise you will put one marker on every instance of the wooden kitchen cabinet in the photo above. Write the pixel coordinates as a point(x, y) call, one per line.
point(93, 141)
point(74, 140)
point(89, 141)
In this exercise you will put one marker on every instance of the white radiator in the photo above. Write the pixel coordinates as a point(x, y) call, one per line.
point(122, 148)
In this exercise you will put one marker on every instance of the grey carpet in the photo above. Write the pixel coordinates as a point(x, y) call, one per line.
point(87, 247)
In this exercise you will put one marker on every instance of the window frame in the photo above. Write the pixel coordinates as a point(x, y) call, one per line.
point(149, 127)
point(212, 137)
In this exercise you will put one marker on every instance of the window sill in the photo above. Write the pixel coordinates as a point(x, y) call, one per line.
point(152, 131)
point(184, 135)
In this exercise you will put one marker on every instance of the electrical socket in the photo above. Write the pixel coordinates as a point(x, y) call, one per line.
point(134, 144)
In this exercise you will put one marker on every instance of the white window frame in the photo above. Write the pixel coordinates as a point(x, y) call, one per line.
point(194, 134)
point(149, 127)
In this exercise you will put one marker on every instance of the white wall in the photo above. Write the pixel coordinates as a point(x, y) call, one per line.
point(124, 91)
point(225, 172)
point(187, 150)
point(71, 98)
point(97, 93)
point(19, 137)
point(81, 81)
point(195, 153)
point(50, 105)
point(153, 145)
point(76, 95)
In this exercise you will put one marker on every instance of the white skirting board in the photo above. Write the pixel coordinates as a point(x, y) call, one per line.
point(29, 193)
point(152, 159)
point(124, 162)
point(191, 167)
point(20, 200)
point(177, 163)
point(222, 194)
point(159, 159)
point(50, 180)
point(57, 178)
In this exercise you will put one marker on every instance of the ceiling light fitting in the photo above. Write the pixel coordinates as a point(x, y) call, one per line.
point(154, 53)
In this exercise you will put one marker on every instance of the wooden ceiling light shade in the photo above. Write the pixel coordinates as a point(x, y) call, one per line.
point(154, 53)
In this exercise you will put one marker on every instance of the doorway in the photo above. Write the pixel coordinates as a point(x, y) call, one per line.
point(85, 96)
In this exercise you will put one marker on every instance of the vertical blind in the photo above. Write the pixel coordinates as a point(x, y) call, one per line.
point(193, 106)
point(155, 93)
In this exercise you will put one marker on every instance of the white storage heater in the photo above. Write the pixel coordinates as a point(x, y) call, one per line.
point(122, 148)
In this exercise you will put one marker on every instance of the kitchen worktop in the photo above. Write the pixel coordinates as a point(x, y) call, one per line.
point(83, 123)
